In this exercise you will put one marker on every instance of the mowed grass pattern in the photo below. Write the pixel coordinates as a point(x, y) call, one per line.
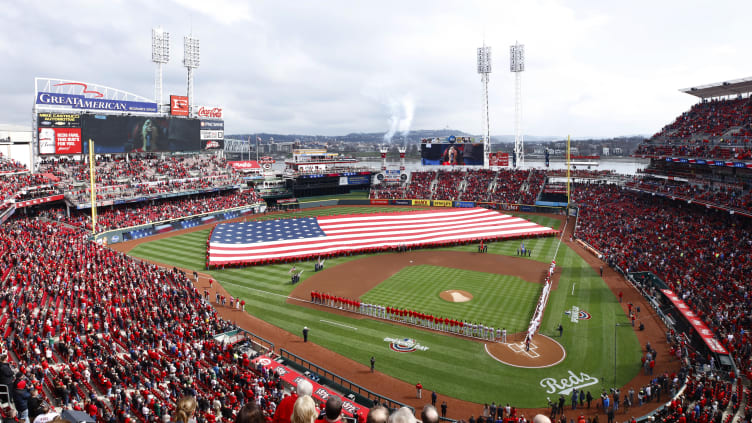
point(452, 366)
point(498, 300)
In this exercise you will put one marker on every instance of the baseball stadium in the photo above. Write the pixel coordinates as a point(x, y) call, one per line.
point(145, 259)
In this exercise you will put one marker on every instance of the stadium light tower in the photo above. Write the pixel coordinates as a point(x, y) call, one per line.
point(190, 61)
point(517, 65)
point(484, 69)
point(160, 54)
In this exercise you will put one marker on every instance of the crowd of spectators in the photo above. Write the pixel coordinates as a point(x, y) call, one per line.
point(703, 132)
point(477, 183)
point(708, 118)
point(694, 150)
point(133, 214)
point(508, 186)
point(723, 195)
point(481, 185)
point(535, 182)
point(87, 328)
point(448, 185)
point(8, 165)
point(118, 177)
point(702, 254)
point(705, 399)
point(25, 185)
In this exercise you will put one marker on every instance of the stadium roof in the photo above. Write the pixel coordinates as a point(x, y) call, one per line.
point(721, 89)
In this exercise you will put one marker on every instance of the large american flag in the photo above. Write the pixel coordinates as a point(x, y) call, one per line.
point(271, 240)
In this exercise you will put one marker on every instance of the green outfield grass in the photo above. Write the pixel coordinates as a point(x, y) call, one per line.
point(451, 366)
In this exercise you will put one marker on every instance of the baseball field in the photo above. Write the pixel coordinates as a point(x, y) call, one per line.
point(499, 289)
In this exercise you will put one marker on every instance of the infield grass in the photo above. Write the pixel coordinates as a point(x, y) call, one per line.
point(498, 300)
point(451, 366)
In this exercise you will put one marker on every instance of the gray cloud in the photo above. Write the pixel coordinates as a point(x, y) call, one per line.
point(593, 69)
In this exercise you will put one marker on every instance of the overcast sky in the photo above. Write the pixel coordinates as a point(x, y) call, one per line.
point(335, 67)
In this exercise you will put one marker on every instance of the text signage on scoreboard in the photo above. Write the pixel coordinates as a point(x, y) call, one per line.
point(212, 130)
point(59, 133)
point(77, 101)
point(179, 105)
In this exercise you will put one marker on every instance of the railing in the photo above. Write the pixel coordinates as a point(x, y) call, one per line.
point(344, 383)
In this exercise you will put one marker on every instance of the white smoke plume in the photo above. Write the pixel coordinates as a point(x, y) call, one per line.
point(402, 113)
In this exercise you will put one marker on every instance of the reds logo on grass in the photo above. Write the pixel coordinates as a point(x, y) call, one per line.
point(404, 345)
point(583, 315)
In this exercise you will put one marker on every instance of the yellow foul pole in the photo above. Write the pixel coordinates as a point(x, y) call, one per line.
point(567, 169)
point(93, 188)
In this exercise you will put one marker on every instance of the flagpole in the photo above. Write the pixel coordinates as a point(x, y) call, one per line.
point(257, 148)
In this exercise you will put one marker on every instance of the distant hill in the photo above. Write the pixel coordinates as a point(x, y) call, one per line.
point(413, 137)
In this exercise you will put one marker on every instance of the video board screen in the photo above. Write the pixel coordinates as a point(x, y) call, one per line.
point(451, 154)
point(122, 134)
point(59, 133)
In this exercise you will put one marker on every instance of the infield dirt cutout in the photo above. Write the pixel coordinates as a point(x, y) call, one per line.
point(456, 296)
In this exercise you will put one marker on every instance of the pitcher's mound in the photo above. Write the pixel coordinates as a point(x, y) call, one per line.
point(456, 296)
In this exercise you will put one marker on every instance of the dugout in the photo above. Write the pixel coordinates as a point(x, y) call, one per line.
point(700, 337)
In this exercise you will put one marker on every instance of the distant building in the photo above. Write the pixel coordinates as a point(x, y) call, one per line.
point(605, 151)
point(618, 151)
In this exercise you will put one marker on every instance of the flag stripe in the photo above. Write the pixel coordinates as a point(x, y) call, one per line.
point(250, 242)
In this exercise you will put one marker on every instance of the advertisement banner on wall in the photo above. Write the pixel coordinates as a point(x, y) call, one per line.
point(67, 140)
point(214, 144)
point(210, 112)
point(210, 134)
point(212, 124)
point(59, 120)
point(502, 159)
point(179, 105)
point(492, 159)
point(59, 133)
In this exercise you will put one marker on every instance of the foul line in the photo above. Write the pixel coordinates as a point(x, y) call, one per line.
point(338, 324)
point(265, 292)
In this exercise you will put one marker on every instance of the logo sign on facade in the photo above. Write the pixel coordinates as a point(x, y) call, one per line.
point(179, 105)
point(77, 101)
point(566, 384)
point(209, 112)
point(404, 345)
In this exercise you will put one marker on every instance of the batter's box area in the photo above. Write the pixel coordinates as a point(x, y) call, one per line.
point(520, 348)
point(544, 352)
